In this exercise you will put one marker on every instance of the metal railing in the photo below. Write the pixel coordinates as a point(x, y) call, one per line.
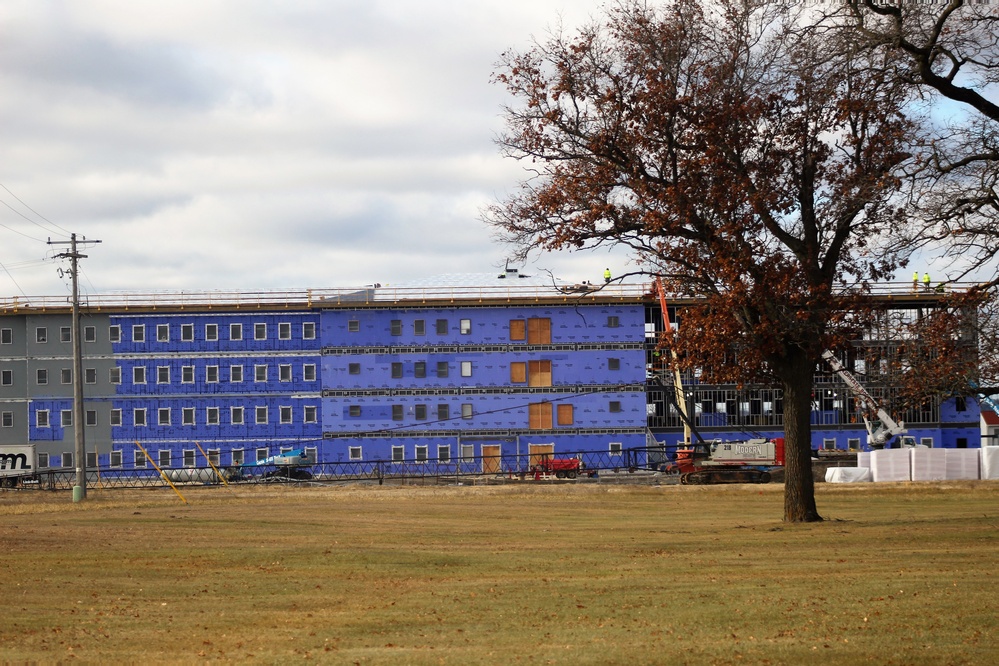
point(377, 294)
point(592, 465)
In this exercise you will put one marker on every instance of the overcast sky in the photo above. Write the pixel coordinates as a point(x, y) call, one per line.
point(258, 144)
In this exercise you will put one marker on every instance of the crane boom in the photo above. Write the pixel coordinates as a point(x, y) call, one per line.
point(888, 428)
point(681, 400)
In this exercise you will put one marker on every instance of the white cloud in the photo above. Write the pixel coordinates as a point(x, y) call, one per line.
point(259, 144)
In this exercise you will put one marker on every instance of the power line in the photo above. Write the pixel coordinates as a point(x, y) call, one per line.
point(56, 226)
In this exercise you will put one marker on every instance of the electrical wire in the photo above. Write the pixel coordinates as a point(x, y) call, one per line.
point(53, 224)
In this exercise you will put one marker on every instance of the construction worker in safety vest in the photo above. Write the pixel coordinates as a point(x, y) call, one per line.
point(607, 275)
point(926, 281)
point(915, 280)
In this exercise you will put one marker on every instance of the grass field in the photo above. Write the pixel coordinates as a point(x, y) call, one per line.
point(574, 573)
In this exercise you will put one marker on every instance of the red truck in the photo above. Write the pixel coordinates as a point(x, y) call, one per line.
point(562, 468)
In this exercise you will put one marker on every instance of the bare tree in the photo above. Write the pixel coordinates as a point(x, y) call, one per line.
point(749, 162)
point(948, 51)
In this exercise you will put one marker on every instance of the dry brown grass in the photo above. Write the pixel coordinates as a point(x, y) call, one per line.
point(583, 574)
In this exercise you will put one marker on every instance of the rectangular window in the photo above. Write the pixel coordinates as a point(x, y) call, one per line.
point(397, 412)
point(90, 376)
point(115, 459)
point(853, 443)
point(66, 375)
point(260, 373)
point(238, 456)
point(235, 373)
point(91, 417)
point(212, 374)
point(353, 326)
point(613, 364)
point(615, 406)
point(467, 452)
point(354, 368)
point(420, 369)
point(212, 415)
point(67, 460)
point(187, 374)
point(284, 331)
point(420, 412)
point(441, 326)
point(398, 454)
point(397, 371)
point(164, 458)
point(613, 322)
point(163, 374)
point(90, 334)
point(65, 334)
point(6, 336)
point(8, 420)
point(518, 330)
point(139, 374)
point(215, 457)
point(419, 327)
point(211, 332)
point(284, 373)
point(189, 458)
point(466, 326)
point(7, 377)
point(354, 410)
point(443, 412)
point(114, 333)
point(539, 331)
point(42, 418)
point(828, 444)
point(114, 375)
point(66, 418)
point(442, 368)
point(444, 453)
point(43, 460)
point(395, 327)
point(466, 368)
point(139, 416)
point(115, 418)
point(260, 331)
point(309, 330)
point(466, 411)
point(188, 416)
point(235, 332)
point(42, 376)
point(421, 453)
point(310, 414)
point(187, 332)
point(163, 416)
point(236, 414)
point(285, 414)
point(91, 459)
point(354, 453)
point(309, 372)
point(540, 416)
point(260, 414)
point(564, 415)
point(139, 459)
point(539, 373)
point(138, 333)
point(41, 334)
point(163, 333)
point(614, 448)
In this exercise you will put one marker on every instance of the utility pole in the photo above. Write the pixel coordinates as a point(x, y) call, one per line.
point(80, 489)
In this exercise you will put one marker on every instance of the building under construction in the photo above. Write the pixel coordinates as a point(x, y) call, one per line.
point(483, 371)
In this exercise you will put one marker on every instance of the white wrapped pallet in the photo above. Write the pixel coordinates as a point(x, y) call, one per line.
point(962, 463)
point(928, 464)
point(990, 462)
point(864, 459)
point(848, 475)
point(891, 465)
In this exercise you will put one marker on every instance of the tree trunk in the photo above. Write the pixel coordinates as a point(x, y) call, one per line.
point(799, 486)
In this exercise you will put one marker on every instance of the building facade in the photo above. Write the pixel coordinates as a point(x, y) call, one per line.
point(481, 376)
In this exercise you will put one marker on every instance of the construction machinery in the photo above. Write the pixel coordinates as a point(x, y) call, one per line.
point(285, 465)
point(880, 434)
point(714, 461)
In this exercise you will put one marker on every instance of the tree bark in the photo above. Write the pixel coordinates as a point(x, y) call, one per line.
point(799, 485)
